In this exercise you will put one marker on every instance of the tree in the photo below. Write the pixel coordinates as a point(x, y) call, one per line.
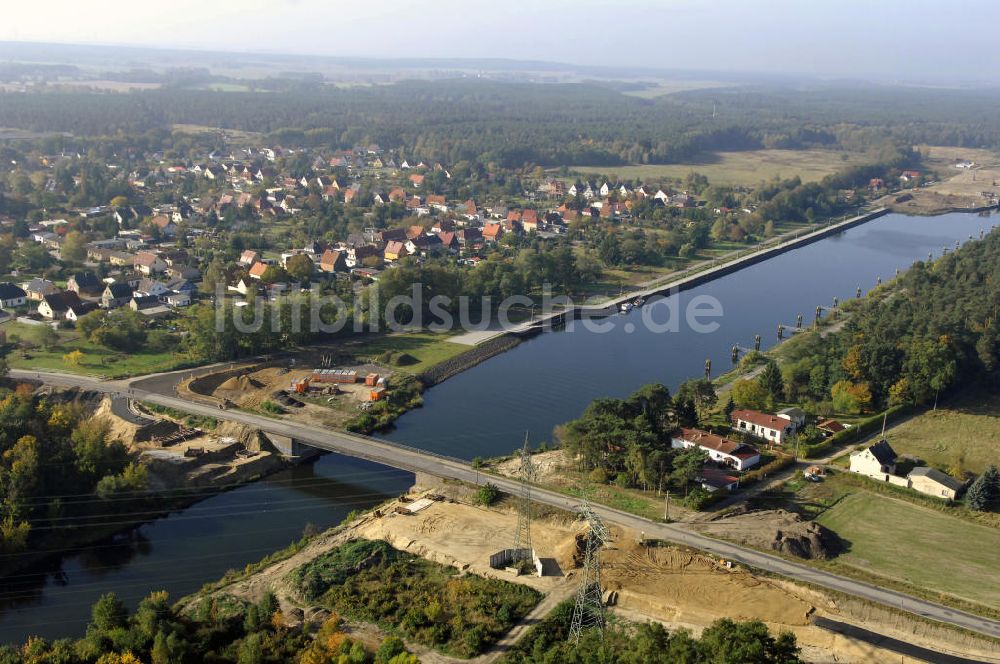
point(48, 337)
point(299, 267)
point(746, 642)
point(274, 274)
point(771, 380)
point(984, 491)
point(687, 464)
point(74, 247)
point(750, 394)
point(108, 613)
point(851, 398)
point(701, 392)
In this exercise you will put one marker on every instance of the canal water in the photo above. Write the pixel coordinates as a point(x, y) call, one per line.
point(482, 412)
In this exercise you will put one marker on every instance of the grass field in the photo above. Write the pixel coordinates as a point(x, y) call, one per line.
point(965, 433)
point(663, 88)
point(918, 546)
point(739, 168)
point(98, 360)
point(428, 348)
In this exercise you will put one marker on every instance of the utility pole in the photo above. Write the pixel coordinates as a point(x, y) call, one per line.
point(666, 508)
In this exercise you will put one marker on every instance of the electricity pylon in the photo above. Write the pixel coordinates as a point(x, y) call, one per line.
point(522, 538)
point(588, 613)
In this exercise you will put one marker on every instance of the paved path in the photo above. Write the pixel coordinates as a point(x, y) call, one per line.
point(415, 460)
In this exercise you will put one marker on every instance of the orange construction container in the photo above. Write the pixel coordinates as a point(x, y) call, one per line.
point(371, 380)
point(376, 394)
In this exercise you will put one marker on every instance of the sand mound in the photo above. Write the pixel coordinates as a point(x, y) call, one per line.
point(778, 530)
point(241, 384)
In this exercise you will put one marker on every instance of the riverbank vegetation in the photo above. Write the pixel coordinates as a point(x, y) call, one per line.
point(230, 631)
point(431, 604)
point(62, 477)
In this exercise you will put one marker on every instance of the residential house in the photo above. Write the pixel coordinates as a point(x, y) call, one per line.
point(394, 250)
point(149, 263)
point(738, 456)
point(933, 482)
point(529, 221)
point(37, 289)
point(492, 232)
point(185, 272)
point(116, 294)
point(78, 311)
point(794, 415)
point(877, 461)
point(177, 298)
point(717, 479)
point(469, 239)
point(151, 287)
point(830, 427)
point(449, 241)
point(423, 244)
point(12, 296)
point(165, 224)
point(357, 254)
point(772, 428)
point(333, 260)
point(257, 270)
point(55, 305)
point(85, 283)
point(181, 285)
point(149, 306)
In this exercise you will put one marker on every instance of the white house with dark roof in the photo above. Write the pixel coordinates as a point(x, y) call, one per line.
point(877, 461)
point(12, 296)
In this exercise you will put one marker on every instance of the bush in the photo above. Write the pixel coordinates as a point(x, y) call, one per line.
point(487, 494)
point(598, 476)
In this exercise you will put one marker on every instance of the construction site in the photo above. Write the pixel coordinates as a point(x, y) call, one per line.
point(604, 570)
point(315, 390)
point(179, 454)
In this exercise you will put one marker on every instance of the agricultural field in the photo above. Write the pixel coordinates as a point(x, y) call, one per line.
point(964, 434)
point(942, 553)
point(740, 168)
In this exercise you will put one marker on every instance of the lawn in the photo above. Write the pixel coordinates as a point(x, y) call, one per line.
point(429, 348)
point(964, 434)
point(918, 546)
point(740, 168)
point(97, 360)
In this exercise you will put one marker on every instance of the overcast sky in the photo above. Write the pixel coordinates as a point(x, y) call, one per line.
point(905, 39)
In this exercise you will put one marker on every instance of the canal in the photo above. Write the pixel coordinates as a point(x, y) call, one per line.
point(482, 412)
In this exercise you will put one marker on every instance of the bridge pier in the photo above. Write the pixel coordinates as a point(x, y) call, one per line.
point(290, 447)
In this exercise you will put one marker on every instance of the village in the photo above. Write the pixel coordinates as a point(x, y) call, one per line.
point(150, 255)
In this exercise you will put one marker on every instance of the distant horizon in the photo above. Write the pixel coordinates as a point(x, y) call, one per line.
point(851, 39)
point(611, 72)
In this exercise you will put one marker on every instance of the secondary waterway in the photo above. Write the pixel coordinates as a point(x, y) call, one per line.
point(482, 412)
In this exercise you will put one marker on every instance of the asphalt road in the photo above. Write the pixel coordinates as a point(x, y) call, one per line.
point(415, 460)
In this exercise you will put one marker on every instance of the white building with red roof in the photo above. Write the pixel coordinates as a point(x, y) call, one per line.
point(738, 456)
point(772, 428)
